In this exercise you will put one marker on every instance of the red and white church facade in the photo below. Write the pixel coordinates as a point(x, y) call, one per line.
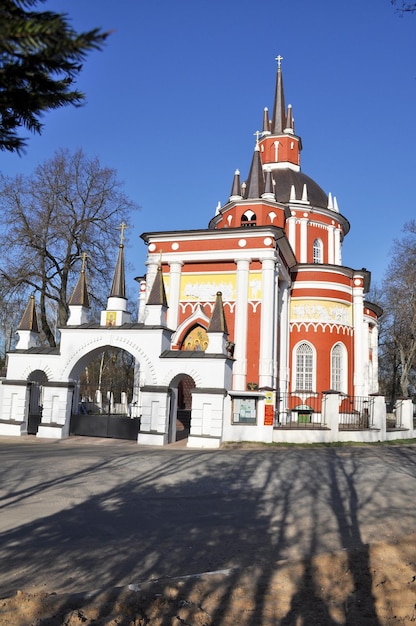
point(252, 325)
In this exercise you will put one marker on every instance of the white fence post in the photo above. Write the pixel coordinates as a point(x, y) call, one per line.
point(330, 413)
point(379, 415)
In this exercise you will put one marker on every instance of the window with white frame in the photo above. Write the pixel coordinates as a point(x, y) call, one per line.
point(338, 368)
point(304, 367)
point(317, 251)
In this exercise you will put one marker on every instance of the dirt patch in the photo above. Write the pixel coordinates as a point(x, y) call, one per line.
point(375, 585)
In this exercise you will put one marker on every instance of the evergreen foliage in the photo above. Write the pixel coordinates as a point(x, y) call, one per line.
point(40, 57)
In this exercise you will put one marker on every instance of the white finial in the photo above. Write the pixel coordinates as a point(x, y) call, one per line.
point(305, 194)
point(336, 205)
point(292, 194)
point(257, 135)
point(330, 203)
point(218, 209)
point(237, 172)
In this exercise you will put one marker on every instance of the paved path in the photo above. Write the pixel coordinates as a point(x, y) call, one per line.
point(79, 514)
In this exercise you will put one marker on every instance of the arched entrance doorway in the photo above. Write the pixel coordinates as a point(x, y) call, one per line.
point(106, 402)
point(180, 407)
point(35, 380)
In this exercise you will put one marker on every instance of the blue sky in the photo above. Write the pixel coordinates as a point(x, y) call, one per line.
point(174, 98)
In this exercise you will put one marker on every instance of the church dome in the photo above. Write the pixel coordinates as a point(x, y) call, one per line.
point(286, 179)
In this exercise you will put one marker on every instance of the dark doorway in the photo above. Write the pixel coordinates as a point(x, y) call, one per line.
point(184, 407)
point(36, 380)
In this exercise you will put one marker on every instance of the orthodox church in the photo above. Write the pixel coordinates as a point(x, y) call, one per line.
point(243, 326)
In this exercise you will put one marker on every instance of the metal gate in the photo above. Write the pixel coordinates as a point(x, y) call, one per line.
point(35, 381)
point(107, 412)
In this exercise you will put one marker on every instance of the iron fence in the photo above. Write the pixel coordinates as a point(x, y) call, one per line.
point(299, 410)
point(356, 413)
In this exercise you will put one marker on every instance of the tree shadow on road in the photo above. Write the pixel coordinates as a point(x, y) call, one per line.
point(247, 512)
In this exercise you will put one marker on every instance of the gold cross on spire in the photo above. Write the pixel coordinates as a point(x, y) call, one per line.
point(122, 228)
point(279, 60)
point(257, 135)
point(84, 257)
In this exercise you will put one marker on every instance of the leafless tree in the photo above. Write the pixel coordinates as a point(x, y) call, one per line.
point(69, 205)
point(399, 319)
point(403, 6)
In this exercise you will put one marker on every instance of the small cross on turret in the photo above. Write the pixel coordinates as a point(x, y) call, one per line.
point(84, 257)
point(279, 60)
point(122, 228)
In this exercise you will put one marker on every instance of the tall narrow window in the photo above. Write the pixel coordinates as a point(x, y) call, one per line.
point(317, 251)
point(304, 367)
point(337, 368)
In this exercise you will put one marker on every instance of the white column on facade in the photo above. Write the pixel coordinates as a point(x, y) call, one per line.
point(142, 301)
point(284, 305)
point(174, 293)
point(331, 245)
point(374, 353)
point(337, 246)
point(292, 232)
point(267, 323)
point(240, 325)
point(359, 339)
point(304, 240)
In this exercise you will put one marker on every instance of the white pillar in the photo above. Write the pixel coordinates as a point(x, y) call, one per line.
point(240, 328)
point(292, 233)
point(267, 324)
point(358, 313)
point(337, 245)
point(374, 354)
point(142, 301)
point(331, 245)
point(303, 240)
point(284, 303)
point(174, 293)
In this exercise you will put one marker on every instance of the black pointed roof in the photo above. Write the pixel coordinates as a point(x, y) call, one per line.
point(255, 180)
point(80, 296)
point(157, 293)
point(279, 110)
point(118, 288)
point(29, 319)
point(236, 187)
point(218, 323)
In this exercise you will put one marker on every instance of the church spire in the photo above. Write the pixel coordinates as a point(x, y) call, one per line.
point(28, 329)
point(118, 288)
point(79, 302)
point(116, 313)
point(255, 180)
point(217, 330)
point(80, 296)
point(218, 323)
point(279, 110)
point(157, 293)
point(236, 188)
point(29, 319)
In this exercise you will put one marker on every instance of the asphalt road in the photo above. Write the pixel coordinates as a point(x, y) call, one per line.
point(80, 514)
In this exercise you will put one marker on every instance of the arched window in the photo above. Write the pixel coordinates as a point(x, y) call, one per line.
point(338, 368)
point(304, 367)
point(248, 218)
point(317, 251)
